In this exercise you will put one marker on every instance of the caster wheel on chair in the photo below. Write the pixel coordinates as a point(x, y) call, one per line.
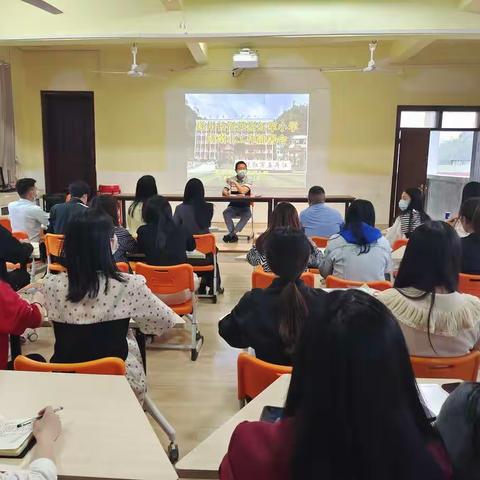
point(173, 452)
point(194, 354)
point(33, 337)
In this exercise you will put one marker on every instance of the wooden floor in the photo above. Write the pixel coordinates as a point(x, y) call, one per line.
point(196, 397)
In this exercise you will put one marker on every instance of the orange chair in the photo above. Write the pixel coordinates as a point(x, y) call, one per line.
point(206, 244)
point(54, 246)
point(5, 223)
point(335, 282)
point(123, 267)
point(401, 242)
point(464, 367)
point(320, 242)
point(175, 279)
point(469, 284)
point(255, 375)
point(103, 366)
point(20, 235)
point(262, 279)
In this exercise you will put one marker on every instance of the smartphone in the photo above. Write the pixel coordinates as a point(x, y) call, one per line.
point(271, 414)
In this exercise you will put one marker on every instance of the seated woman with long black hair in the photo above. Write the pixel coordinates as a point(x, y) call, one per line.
point(284, 215)
point(162, 241)
point(270, 320)
point(352, 410)
point(146, 188)
point(412, 215)
point(195, 214)
point(435, 319)
point(125, 243)
point(359, 252)
point(91, 305)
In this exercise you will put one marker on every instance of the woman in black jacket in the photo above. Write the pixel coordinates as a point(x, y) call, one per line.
point(162, 241)
point(270, 320)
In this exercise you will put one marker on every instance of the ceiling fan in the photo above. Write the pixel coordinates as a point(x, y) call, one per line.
point(135, 71)
point(44, 6)
point(372, 65)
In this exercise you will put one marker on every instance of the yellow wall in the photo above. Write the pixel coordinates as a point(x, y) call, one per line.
point(352, 139)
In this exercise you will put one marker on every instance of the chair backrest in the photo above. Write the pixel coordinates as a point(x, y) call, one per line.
point(78, 342)
point(123, 267)
point(469, 284)
point(54, 244)
point(320, 242)
point(205, 243)
point(255, 375)
point(401, 242)
point(335, 282)
point(20, 235)
point(103, 366)
point(163, 280)
point(464, 367)
point(5, 223)
point(262, 279)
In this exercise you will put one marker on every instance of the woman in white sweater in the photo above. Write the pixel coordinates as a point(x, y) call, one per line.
point(435, 319)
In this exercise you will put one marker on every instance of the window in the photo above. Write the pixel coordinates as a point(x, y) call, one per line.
point(418, 119)
point(460, 120)
point(450, 153)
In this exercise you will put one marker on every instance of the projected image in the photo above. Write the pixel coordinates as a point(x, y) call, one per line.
point(267, 131)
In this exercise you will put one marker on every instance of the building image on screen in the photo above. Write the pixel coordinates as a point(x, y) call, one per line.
point(267, 131)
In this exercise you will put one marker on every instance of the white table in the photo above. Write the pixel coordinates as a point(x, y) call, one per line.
point(204, 460)
point(106, 435)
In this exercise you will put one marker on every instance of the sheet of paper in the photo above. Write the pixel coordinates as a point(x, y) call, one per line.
point(11, 437)
point(434, 396)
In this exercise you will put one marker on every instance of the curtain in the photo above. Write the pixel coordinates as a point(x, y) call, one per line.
point(7, 128)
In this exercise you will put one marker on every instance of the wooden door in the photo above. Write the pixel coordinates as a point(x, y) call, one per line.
point(411, 164)
point(68, 139)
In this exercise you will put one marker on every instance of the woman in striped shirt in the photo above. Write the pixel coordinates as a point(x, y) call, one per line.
point(412, 215)
point(284, 215)
point(124, 242)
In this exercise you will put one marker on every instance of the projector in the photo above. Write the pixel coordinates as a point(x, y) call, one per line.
point(246, 58)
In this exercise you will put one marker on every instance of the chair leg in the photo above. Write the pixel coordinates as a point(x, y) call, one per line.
point(165, 425)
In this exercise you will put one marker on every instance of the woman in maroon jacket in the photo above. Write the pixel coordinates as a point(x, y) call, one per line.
point(16, 315)
point(352, 411)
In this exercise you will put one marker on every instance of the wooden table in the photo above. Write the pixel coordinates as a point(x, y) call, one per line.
point(271, 201)
point(106, 435)
point(204, 460)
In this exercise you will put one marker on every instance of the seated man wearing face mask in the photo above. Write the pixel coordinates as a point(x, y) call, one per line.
point(237, 186)
point(412, 215)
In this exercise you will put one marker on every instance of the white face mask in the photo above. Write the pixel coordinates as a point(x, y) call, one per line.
point(403, 204)
point(241, 174)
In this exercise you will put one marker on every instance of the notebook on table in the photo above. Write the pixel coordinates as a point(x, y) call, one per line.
point(15, 441)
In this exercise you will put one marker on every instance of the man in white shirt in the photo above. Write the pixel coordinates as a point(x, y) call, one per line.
point(25, 215)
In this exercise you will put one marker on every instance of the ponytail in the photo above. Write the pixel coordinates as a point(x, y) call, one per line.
point(293, 310)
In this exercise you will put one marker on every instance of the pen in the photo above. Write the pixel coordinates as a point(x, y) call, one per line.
point(38, 417)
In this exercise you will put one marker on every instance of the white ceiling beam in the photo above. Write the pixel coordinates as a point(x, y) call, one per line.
point(402, 50)
point(173, 4)
point(199, 51)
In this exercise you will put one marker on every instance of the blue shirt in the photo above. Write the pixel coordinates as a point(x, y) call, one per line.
point(319, 220)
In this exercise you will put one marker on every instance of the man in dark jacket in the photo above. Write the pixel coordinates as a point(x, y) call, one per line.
point(62, 213)
point(11, 250)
